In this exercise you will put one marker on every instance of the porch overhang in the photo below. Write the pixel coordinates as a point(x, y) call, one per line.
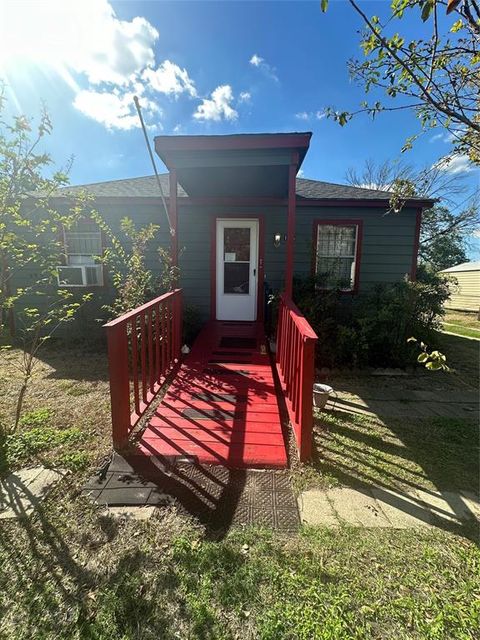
point(242, 165)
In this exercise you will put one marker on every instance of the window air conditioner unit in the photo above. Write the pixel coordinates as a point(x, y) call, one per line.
point(80, 275)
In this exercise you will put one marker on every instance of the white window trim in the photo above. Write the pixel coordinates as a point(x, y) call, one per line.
point(81, 267)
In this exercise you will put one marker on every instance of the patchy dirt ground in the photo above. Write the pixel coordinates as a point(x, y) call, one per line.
point(67, 403)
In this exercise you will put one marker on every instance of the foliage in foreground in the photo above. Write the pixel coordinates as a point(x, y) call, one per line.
point(436, 76)
point(373, 330)
point(30, 240)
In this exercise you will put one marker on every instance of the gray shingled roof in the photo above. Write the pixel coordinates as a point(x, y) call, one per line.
point(146, 187)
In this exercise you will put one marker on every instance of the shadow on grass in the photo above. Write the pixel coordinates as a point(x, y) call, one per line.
point(404, 457)
point(61, 592)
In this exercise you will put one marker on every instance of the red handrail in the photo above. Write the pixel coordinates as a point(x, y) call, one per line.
point(295, 359)
point(144, 345)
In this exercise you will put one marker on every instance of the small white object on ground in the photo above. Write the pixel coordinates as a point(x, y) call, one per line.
point(321, 394)
point(22, 491)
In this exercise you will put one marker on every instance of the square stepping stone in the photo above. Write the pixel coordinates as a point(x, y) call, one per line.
point(472, 502)
point(358, 508)
point(402, 509)
point(315, 509)
point(22, 491)
point(444, 505)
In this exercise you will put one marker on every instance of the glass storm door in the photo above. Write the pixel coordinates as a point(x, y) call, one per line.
point(237, 269)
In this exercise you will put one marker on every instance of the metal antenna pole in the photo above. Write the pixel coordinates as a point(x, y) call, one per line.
point(139, 111)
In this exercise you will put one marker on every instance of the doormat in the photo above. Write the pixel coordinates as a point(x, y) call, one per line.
point(237, 342)
point(219, 360)
point(225, 353)
point(218, 497)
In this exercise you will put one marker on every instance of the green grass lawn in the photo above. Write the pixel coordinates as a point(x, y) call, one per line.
point(462, 324)
point(403, 454)
point(74, 571)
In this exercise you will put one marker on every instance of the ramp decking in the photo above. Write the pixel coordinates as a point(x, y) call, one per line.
point(221, 407)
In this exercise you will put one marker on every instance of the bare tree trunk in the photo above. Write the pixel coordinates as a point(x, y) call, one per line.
point(20, 399)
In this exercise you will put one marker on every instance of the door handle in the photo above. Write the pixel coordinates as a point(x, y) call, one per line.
point(254, 272)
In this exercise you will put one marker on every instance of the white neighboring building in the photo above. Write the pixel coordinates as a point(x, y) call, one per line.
point(466, 296)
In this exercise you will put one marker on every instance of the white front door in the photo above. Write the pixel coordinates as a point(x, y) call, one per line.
point(237, 269)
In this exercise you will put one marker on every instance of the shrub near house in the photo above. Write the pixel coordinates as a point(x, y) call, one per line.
point(373, 329)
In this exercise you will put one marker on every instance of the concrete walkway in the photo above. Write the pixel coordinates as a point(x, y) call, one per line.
point(378, 507)
point(23, 491)
point(386, 402)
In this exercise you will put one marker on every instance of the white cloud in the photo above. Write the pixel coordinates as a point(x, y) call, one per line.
point(309, 115)
point(170, 78)
point(82, 37)
point(455, 164)
point(104, 60)
point(437, 136)
point(260, 63)
point(115, 110)
point(218, 106)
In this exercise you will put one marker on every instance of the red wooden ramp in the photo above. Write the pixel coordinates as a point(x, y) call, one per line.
point(221, 408)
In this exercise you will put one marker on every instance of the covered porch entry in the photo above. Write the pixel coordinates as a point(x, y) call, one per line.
point(222, 402)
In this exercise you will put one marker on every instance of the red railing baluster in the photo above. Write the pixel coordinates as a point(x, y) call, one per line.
point(134, 340)
point(151, 364)
point(117, 340)
point(143, 352)
point(174, 330)
point(159, 350)
point(164, 344)
point(295, 361)
point(157, 344)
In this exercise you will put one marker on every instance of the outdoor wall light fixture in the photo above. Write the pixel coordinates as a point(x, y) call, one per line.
point(277, 239)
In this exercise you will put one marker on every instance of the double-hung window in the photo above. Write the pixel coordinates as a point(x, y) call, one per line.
point(83, 248)
point(337, 253)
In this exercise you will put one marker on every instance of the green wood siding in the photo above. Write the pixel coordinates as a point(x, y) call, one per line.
point(387, 247)
point(388, 243)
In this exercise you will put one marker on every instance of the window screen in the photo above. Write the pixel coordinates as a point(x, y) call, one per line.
point(336, 256)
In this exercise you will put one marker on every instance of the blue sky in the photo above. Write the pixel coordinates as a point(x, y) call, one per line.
point(198, 67)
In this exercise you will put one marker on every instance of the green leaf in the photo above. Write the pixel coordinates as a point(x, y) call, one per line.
point(422, 358)
point(427, 10)
point(456, 26)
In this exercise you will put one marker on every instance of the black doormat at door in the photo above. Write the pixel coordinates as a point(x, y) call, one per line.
point(237, 342)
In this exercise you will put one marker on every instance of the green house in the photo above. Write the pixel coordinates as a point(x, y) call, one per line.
point(229, 199)
point(235, 218)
